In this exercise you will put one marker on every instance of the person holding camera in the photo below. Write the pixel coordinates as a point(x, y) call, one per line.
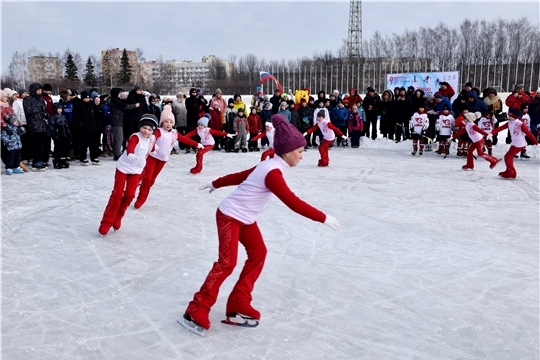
point(517, 98)
point(35, 111)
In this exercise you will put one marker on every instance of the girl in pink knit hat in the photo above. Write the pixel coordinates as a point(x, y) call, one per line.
point(236, 222)
point(166, 137)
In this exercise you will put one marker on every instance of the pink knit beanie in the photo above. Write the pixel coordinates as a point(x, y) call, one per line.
point(166, 115)
point(287, 138)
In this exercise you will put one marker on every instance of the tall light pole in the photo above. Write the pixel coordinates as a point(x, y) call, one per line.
point(354, 42)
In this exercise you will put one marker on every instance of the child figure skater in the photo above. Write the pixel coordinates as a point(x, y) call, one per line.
point(205, 133)
point(517, 131)
point(418, 125)
point(269, 133)
point(444, 125)
point(128, 172)
point(476, 135)
point(236, 222)
point(328, 131)
point(165, 137)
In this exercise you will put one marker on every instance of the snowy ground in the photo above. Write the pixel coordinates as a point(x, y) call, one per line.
point(431, 262)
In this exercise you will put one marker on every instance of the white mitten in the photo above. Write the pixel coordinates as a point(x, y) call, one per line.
point(304, 134)
point(208, 186)
point(344, 137)
point(133, 157)
point(200, 146)
point(230, 136)
point(331, 221)
point(489, 137)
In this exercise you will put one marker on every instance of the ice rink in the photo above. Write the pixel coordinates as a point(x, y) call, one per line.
point(430, 262)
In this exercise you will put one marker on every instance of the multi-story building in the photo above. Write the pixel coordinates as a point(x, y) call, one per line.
point(110, 60)
point(44, 68)
point(180, 74)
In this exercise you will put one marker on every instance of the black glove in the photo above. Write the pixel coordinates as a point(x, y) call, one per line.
point(8, 131)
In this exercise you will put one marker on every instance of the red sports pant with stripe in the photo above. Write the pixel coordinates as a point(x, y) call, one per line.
point(150, 173)
point(122, 194)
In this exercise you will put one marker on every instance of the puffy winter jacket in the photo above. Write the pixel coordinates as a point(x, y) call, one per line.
point(476, 105)
point(117, 107)
point(13, 141)
point(58, 126)
point(35, 110)
point(341, 115)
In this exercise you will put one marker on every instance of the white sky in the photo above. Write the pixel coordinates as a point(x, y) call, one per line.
point(188, 30)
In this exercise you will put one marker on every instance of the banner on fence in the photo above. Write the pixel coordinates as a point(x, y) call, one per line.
point(429, 82)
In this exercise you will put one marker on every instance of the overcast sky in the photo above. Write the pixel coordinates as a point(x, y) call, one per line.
point(187, 30)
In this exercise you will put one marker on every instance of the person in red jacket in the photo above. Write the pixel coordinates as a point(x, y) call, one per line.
point(476, 134)
point(255, 127)
point(236, 222)
point(517, 131)
point(517, 97)
point(445, 89)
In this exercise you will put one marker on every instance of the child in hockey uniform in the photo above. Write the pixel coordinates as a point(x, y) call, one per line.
point(517, 131)
point(526, 120)
point(269, 133)
point(255, 127)
point(165, 137)
point(463, 140)
point(205, 133)
point(418, 124)
point(11, 137)
point(486, 123)
point(128, 173)
point(444, 126)
point(476, 135)
point(236, 221)
point(328, 130)
point(58, 126)
point(241, 129)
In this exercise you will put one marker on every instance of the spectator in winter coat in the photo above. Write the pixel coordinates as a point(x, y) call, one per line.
point(46, 95)
point(402, 114)
point(446, 90)
point(284, 110)
point(495, 107)
point(194, 105)
point(275, 101)
point(257, 99)
point(132, 116)
point(353, 97)
point(341, 116)
point(59, 129)
point(517, 98)
point(419, 98)
point(239, 103)
point(474, 104)
point(386, 109)
point(460, 103)
point(295, 120)
point(371, 106)
point(26, 150)
point(441, 102)
point(117, 108)
point(11, 142)
point(534, 113)
point(153, 108)
point(355, 126)
point(255, 127)
point(222, 104)
point(305, 119)
point(84, 113)
point(35, 110)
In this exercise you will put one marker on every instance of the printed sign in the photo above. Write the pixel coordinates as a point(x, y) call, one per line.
point(429, 82)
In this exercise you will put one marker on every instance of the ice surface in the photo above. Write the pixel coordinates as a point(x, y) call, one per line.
point(430, 262)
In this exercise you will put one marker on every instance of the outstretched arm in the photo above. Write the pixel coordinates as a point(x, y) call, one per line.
point(276, 184)
point(232, 179)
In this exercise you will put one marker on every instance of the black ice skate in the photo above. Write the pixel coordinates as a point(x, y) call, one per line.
point(244, 321)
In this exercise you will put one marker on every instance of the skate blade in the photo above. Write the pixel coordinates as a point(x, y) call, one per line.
point(245, 321)
point(192, 326)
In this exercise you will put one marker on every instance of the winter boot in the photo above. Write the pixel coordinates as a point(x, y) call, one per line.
point(64, 163)
point(18, 170)
point(413, 152)
point(244, 150)
point(421, 152)
point(56, 164)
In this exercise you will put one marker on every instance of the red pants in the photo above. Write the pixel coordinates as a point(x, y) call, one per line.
point(123, 193)
point(230, 232)
point(151, 171)
point(479, 147)
point(200, 153)
point(268, 153)
point(323, 150)
point(510, 171)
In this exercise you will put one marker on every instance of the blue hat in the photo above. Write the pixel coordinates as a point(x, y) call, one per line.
point(149, 120)
point(203, 121)
point(515, 112)
point(258, 88)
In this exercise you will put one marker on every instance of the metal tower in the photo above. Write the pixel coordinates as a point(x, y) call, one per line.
point(354, 42)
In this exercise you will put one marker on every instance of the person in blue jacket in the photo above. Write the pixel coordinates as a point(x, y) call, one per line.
point(339, 120)
point(474, 105)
